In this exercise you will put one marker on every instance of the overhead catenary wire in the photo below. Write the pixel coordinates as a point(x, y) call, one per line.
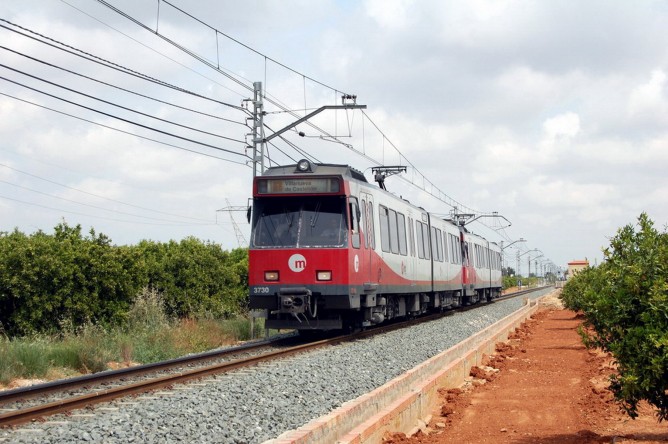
point(152, 49)
point(172, 42)
point(217, 68)
point(240, 43)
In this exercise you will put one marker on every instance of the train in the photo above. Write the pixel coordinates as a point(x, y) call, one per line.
point(330, 250)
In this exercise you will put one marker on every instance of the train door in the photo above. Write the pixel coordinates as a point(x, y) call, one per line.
point(468, 268)
point(369, 234)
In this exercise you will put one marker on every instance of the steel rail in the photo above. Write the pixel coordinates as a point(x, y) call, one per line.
point(113, 375)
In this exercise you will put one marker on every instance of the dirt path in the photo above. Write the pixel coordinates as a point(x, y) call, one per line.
point(541, 387)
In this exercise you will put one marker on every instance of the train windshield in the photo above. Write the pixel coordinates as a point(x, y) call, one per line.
point(299, 222)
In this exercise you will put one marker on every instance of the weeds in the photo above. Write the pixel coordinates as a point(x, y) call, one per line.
point(148, 336)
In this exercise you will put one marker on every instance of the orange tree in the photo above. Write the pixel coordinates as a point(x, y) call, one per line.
point(625, 304)
point(68, 278)
point(46, 280)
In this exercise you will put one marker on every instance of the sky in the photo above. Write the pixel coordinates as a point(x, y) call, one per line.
point(130, 117)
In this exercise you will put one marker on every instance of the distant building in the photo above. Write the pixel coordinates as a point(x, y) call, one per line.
point(575, 266)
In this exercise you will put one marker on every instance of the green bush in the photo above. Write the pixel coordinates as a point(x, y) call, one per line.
point(197, 279)
point(625, 304)
point(47, 281)
point(65, 277)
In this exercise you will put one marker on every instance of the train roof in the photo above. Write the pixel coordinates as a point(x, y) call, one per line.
point(327, 169)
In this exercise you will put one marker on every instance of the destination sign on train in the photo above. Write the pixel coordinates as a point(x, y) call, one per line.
point(298, 186)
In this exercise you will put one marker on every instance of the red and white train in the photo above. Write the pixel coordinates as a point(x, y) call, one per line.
point(330, 250)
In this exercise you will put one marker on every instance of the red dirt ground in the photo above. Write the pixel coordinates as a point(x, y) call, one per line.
point(542, 386)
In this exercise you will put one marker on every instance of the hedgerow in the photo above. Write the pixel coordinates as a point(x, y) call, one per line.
point(625, 305)
point(67, 278)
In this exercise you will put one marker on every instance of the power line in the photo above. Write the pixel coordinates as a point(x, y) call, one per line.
point(98, 196)
point(88, 215)
point(125, 132)
point(120, 88)
point(106, 63)
point(119, 106)
point(95, 206)
point(151, 49)
point(126, 120)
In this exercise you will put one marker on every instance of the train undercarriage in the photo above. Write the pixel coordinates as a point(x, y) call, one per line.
point(300, 309)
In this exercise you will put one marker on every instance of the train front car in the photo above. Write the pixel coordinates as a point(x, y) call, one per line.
point(304, 249)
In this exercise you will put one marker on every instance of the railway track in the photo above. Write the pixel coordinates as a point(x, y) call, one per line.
point(96, 387)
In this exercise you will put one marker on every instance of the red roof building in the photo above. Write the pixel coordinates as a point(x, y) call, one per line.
point(576, 266)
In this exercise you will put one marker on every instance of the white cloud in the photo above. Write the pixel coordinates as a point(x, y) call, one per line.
point(393, 14)
point(552, 193)
point(565, 125)
point(650, 100)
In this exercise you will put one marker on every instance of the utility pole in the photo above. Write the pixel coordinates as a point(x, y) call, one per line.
point(503, 247)
point(258, 129)
point(258, 136)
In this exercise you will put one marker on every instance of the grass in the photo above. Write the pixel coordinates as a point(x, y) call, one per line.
point(149, 336)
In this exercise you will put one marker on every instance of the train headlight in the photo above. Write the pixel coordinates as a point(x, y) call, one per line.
point(271, 275)
point(323, 276)
point(304, 166)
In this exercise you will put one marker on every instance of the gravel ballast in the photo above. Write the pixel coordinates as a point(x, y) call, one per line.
point(254, 405)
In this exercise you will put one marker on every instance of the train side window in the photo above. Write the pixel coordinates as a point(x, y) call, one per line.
point(372, 227)
point(411, 236)
point(384, 229)
point(355, 222)
point(365, 224)
point(401, 226)
point(478, 255)
point(420, 244)
point(453, 254)
point(425, 241)
point(459, 250)
point(436, 253)
point(394, 235)
point(439, 245)
point(445, 246)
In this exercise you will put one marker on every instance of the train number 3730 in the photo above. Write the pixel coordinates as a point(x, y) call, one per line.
point(260, 290)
